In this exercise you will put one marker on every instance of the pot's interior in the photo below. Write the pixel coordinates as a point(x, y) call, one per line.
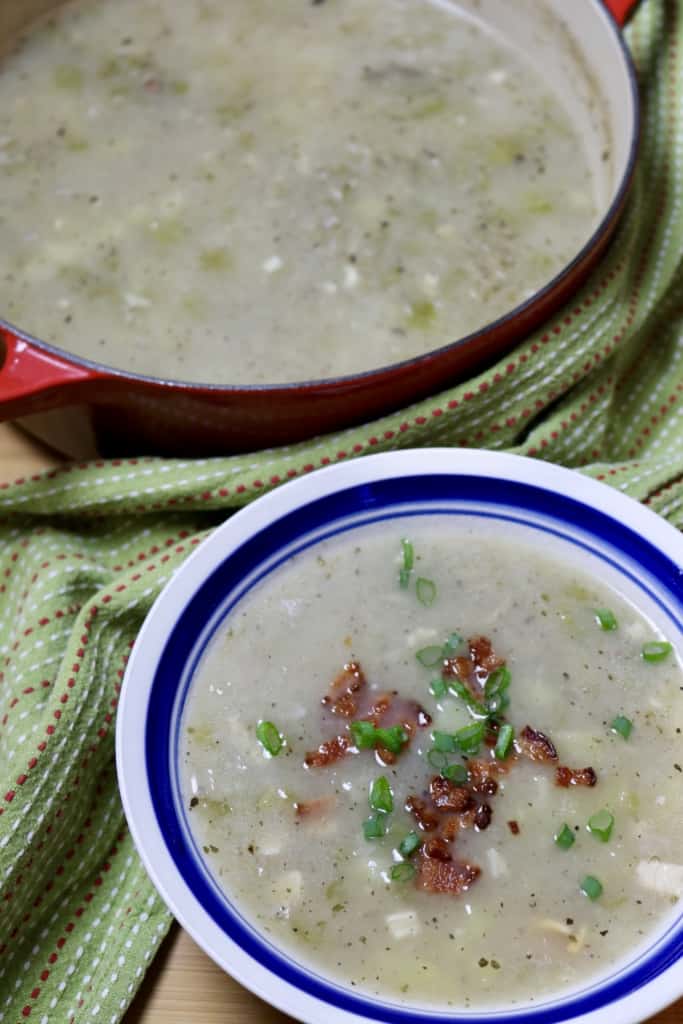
point(582, 62)
point(575, 47)
point(357, 295)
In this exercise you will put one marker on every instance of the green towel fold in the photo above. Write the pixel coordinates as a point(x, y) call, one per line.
point(87, 548)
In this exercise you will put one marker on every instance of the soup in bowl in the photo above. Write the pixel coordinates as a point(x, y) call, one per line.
point(401, 742)
point(252, 194)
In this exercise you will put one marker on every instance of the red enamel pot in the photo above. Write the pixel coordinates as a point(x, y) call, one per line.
point(80, 406)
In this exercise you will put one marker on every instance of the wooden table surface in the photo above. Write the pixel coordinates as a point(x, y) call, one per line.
point(183, 986)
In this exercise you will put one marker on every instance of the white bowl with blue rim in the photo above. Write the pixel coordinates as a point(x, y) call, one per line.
point(588, 521)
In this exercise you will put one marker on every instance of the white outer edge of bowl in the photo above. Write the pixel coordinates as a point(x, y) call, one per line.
point(131, 717)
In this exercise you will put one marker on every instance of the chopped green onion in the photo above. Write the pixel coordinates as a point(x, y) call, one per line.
point(429, 656)
point(457, 687)
point(392, 739)
point(455, 773)
point(438, 687)
point(565, 838)
point(407, 568)
point(497, 682)
point(451, 645)
point(402, 872)
point(381, 798)
point(410, 844)
point(364, 734)
point(270, 738)
point(497, 705)
point(656, 650)
point(623, 726)
point(591, 887)
point(495, 690)
point(601, 825)
point(470, 737)
point(437, 759)
point(460, 690)
point(444, 742)
point(606, 619)
point(506, 734)
point(426, 591)
point(374, 827)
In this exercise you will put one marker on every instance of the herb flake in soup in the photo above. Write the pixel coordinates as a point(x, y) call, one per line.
point(260, 191)
point(408, 837)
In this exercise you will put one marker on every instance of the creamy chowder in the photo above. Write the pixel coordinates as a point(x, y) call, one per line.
point(261, 191)
point(438, 766)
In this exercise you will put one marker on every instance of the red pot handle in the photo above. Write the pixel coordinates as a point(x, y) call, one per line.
point(29, 372)
point(621, 10)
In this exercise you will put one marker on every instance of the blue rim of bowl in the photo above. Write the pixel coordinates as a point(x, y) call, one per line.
point(393, 496)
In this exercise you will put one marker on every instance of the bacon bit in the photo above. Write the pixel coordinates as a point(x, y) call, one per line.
point(314, 808)
point(349, 681)
point(451, 877)
point(514, 827)
point(328, 753)
point(392, 709)
point(482, 775)
point(458, 668)
point(491, 734)
point(565, 776)
point(379, 709)
point(344, 706)
point(474, 669)
point(462, 669)
point(437, 849)
point(482, 817)
point(449, 797)
point(426, 819)
point(152, 85)
point(456, 823)
point(535, 745)
point(482, 654)
point(450, 809)
point(349, 698)
point(489, 787)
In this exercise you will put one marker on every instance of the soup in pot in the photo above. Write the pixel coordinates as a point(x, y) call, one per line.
point(439, 766)
point(262, 191)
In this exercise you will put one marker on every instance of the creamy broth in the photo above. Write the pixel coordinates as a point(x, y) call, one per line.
point(315, 885)
point(263, 191)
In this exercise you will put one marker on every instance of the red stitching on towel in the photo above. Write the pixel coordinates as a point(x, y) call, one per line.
point(665, 489)
point(69, 928)
point(554, 435)
point(50, 729)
